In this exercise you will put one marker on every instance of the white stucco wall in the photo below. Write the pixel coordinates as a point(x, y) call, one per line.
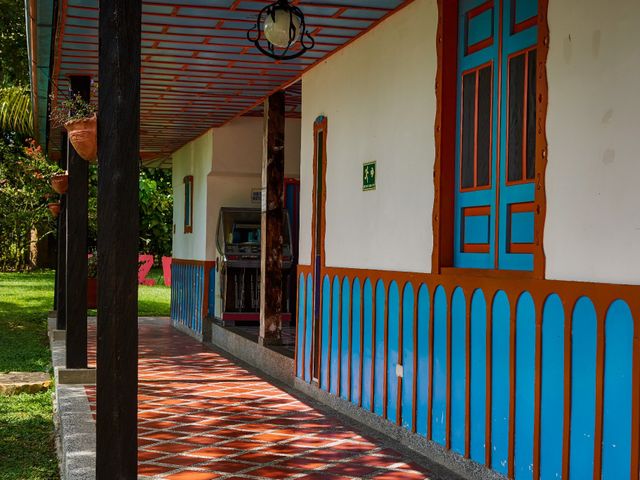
point(378, 95)
point(193, 159)
point(238, 147)
point(379, 98)
point(226, 164)
point(593, 200)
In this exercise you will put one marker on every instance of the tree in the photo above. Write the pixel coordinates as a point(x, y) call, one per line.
point(16, 114)
point(24, 194)
point(14, 64)
point(156, 211)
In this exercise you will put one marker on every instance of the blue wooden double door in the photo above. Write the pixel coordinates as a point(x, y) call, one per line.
point(496, 135)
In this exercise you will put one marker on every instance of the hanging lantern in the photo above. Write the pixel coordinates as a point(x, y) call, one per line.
point(280, 31)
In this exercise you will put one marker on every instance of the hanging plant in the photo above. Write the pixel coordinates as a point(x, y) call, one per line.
point(60, 182)
point(54, 208)
point(83, 135)
point(80, 119)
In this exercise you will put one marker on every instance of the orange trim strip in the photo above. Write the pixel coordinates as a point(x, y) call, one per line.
point(537, 407)
point(432, 296)
point(339, 313)
point(483, 211)
point(512, 391)
point(301, 320)
point(330, 331)
point(524, 207)
point(400, 354)
point(498, 121)
point(350, 366)
point(385, 381)
point(449, 357)
point(522, 247)
point(205, 263)
point(597, 438)
point(476, 248)
point(476, 47)
point(524, 25)
point(373, 344)
point(542, 95)
point(361, 344)
point(414, 392)
point(489, 381)
point(445, 135)
point(467, 409)
point(568, 371)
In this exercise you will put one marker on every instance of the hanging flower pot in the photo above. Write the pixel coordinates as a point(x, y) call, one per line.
point(83, 135)
point(60, 182)
point(54, 208)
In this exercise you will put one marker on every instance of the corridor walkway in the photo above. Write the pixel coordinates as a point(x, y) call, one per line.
point(203, 417)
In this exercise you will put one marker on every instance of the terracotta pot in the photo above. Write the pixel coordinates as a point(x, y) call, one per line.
point(92, 293)
point(83, 135)
point(54, 208)
point(60, 183)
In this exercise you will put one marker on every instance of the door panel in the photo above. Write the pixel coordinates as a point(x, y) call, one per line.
point(475, 189)
point(517, 136)
point(495, 145)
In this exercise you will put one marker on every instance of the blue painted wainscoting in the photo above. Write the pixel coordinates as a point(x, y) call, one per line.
point(191, 289)
point(532, 378)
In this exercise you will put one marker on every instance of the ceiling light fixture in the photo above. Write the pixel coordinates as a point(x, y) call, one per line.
point(280, 31)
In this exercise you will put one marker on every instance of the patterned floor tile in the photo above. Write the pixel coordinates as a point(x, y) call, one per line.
point(203, 417)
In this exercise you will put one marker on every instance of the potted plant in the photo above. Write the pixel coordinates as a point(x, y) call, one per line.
point(80, 119)
point(60, 182)
point(43, 169)
point(92, 280)
point(54, 208)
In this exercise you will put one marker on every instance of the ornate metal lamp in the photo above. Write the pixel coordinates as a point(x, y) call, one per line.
point(278, 29)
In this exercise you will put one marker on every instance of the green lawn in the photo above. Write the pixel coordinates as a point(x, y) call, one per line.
point(26, 424)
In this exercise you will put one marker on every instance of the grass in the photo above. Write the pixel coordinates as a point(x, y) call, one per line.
point(26, 437)
point(26, 421)
point(152, 301)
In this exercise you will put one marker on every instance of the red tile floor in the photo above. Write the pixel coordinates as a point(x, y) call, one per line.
point(202, 417)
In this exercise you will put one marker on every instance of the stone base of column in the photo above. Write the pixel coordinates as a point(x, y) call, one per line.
point(75, 376)
point(58, 335)
point(270, 341)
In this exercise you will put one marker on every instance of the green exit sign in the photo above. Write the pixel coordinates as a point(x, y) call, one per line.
point(369, 176)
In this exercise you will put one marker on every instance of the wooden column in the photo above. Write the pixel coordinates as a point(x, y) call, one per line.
point(61, 268)
point(118, 171)
point(77, 205)
point(272, 219)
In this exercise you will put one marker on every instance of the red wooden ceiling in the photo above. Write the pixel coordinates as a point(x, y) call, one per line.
point(198, 68)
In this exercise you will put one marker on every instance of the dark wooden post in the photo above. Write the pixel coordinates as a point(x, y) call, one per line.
point(77, 206)
point(118, 171)
point(61, 269)
point(272, 219)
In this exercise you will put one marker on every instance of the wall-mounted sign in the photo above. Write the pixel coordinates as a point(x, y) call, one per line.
point(256, 195)
point(369, 176)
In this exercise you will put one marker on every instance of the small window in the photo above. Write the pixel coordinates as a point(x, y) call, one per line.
point(188, 204)
point(476, 128)
point(522, 117)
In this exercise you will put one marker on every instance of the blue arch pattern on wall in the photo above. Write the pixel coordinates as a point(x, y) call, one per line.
point(460, 348)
